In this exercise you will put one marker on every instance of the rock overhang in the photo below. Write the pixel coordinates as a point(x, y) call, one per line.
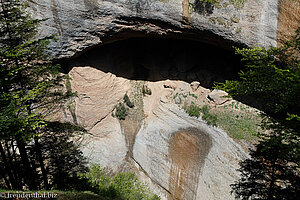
point(84, 24)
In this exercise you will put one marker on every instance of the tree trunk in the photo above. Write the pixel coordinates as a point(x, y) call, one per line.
point(3, 175)
point(15, 167)
point(12, 166)
point(30, 175)
point(7, 168)
point(41, 161)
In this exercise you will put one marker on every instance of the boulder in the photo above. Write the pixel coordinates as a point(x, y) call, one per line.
point(218, 97)
point(195, 85)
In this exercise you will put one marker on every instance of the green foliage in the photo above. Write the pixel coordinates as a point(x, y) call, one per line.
point(272, 76)
point(235, 19)
point(30, 89)
point(62, 156)
point(193, 95)
point(27, 78)
point(192, 110)
point(61, 195)
point(195, 110)
point(123, 185)
point(241, 126)
point(211, 119)
point(121, 111)
point(270, 173)
point(127, 101)
point(146, 90)
point(75, 195)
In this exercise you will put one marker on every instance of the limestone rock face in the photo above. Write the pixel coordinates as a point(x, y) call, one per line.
point(181, 157)
point(97, 94)
point(82, 24)
point(185, 156)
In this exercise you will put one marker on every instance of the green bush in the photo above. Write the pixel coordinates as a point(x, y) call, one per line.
point(123, 185)
point(146, 90)
point(121, 111)
point(193, 110)
point(211, 119)
point(127, 101)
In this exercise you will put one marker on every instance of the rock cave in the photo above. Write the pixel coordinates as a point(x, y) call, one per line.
point(156, 59)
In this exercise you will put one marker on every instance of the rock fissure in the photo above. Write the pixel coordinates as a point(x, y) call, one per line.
point(101, 119)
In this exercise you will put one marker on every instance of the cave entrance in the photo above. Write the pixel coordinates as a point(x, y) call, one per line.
point(155, 59)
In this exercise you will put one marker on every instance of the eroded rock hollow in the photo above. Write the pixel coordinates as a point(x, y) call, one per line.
point(181, 157)
point(156, 59)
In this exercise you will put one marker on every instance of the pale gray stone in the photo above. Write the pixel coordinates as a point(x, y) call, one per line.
point(82, 24)
point(218, 96)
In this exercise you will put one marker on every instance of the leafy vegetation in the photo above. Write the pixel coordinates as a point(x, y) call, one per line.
point(195, 110)
point(272, 76)
point(127, 101)
point(35, 153)
point(239, 126)
point(121, 111)
point(209, 1)
point(31, 88)
point(211, 119)
point(123, 185)
point(100, 185)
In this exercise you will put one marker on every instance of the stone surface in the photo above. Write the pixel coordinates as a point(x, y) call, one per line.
point(195, 85)
point(185, 156)
point(218, 96)
point(179, 156)
point(97, 95)
point(82, 24)
point(97, 92)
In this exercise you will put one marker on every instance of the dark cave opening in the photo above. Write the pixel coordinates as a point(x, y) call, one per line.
point(155, 59)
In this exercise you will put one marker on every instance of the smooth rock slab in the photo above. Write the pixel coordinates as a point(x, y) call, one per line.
point(185, 156)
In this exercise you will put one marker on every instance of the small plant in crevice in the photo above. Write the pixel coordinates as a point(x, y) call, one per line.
point(121, 111)
point(127, 101)
point(146, 90)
